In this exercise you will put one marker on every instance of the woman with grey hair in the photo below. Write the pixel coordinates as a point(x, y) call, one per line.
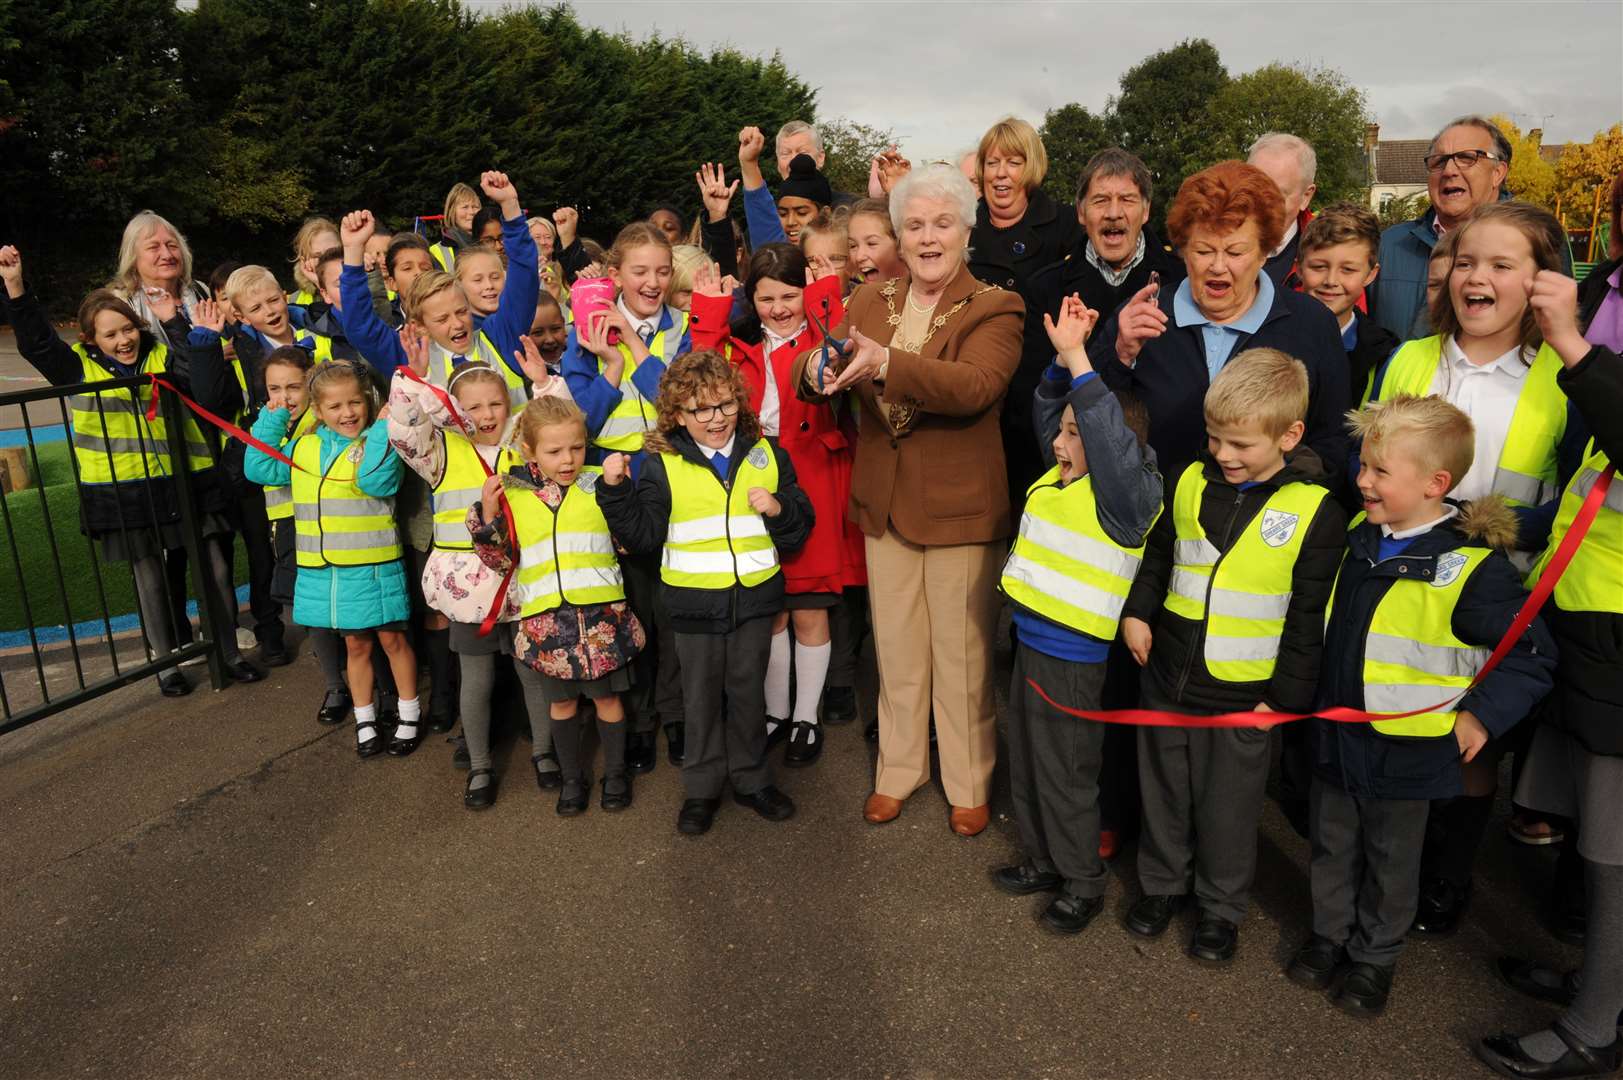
point(929, 361)
point(154, 258)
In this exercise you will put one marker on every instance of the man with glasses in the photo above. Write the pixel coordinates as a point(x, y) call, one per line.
point(1465, 168)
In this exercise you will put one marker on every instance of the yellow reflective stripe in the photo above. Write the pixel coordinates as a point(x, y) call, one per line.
point(1078, 594)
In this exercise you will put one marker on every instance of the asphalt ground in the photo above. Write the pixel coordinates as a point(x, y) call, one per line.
point(217, 887)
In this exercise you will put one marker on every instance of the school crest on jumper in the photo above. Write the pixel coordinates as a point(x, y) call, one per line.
point(1278, 526)
point(757, 457)
point(1449, 565)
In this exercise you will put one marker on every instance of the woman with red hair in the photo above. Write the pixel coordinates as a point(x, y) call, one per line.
point(1167, 345)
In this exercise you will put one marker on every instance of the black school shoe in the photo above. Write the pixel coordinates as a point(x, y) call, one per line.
point(1518, 975)
point(776, 731)
point(334, 707)
point(640, 751)
point(441, 720)
point(769, 802)
point(1151, 916)
point(1316, 964)
point(173, 684)
point(676, 743)
point(242, 671)
point(480, 798)
point(573, 797)
point(1504, 1055)
point(1214, 940)
point(548, 777)
point(805, 745)
point(273, 653)
point(1364, 990)
point(1442, 903)
point(616, 793)
point(1070, 914)
point(696, 816)
point(1023, 879)
point(460, 758)
point(839, 704)
point(371, 747)
point(400, 746)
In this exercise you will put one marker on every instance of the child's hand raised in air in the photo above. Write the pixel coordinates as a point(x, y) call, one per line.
point(353, 233)
point(415, 345)
point(162, 304)
point(209, 315)
point(763, 502)
point(707, 281)
point(567, 219)
point(615, 468)
point(490, 498)
point(750, 144)
point(715, 191)
point(530, 362)
point(1070, 333)
point(11, 270)
point(501, 192)
point(1554, 299)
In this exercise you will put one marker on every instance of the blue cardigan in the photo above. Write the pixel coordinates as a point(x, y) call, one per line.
point(379, 342)
point(596, 396)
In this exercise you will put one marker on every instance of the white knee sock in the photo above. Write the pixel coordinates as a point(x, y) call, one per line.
point(366, 714)
point(410, 713)
point(811, 669)
point(777, 679)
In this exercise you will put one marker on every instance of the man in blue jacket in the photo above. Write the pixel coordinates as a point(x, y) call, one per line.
point(1465, 168)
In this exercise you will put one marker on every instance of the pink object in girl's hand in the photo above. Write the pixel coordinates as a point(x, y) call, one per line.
point(587, 297)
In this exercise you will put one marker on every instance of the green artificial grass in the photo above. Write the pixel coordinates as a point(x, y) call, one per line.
point(26, 520)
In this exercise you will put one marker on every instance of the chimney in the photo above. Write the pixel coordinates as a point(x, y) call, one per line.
point(1536, 136)
point(1372, 135)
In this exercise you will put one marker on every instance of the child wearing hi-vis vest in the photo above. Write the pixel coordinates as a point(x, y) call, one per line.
point(720, 500)
point(453, 439)
point(1234, 582)
point(1422, 598)
point(575, 636)
point(1074, 559)
point(351, 579)
point(1575, 766)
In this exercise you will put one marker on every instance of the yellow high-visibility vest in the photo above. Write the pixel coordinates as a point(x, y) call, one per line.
point(566, 556)
point(715, 539)
point(1244, 593)
point(458, 489)
point(1593, 581)
point(1063, 565)
point(112, 438)
point(335, 522)
point(633, 415)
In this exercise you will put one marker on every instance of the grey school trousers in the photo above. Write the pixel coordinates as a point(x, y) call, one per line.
point(1203, 791)
point(1054, 761)
point(1365, 870)
point(724, 701)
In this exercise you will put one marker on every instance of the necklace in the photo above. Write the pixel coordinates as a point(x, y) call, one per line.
point(918, 307)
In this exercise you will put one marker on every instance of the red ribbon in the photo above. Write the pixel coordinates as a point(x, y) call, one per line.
point(224, 425)
point(1341, 714)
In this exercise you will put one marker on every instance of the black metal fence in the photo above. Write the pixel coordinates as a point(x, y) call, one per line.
point(47, 562)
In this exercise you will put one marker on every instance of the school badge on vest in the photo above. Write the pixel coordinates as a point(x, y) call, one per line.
point(587, 482)
point(356, 452)
point(1449, 565)
point(757, 457)
point(1278, 526)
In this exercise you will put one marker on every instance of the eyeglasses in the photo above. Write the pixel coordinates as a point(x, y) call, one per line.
point(1462, 158)
point(706, 413)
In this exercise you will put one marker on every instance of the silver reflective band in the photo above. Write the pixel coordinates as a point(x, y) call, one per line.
point(1067, 590)
point(719, 562)
point(1443, 660)
point(1189, 585)
point(111, 401)
point(305, 511)
point(1195, 552)
point(715, 527)
point(1518, 487)
point(1241, 648)
point(568, 543)
point(591, 577)
point(85, 441)
point(1402, 697)
point(452, 534)
point(335, 506)
point(1075, 546)
point(455, 499)
point(355, 541)
point(1586, 483)
point(278, 496)
point(1242, 605)
point(618, 426)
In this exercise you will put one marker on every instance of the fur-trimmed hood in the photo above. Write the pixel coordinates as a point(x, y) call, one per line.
point(1489, 521)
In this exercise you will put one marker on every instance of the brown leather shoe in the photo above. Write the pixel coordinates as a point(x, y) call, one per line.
point(969, 820)
point(881, 808)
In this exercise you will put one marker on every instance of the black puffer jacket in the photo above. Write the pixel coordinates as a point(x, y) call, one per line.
point(1177, 664)
point(639, 515)
point(1362, 761)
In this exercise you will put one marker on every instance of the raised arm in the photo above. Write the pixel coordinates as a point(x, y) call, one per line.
point(377, 341)
point(37, 339)
point(516, 308)
point(761, 222)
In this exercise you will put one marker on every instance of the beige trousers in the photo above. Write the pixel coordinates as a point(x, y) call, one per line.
point(934, 613)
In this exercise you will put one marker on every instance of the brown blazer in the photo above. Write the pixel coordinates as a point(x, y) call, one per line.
point(942, 480)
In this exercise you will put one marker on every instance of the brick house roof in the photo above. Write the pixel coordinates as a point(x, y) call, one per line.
point(1399, 161)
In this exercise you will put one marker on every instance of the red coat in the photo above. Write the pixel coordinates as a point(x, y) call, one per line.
point(818, 438)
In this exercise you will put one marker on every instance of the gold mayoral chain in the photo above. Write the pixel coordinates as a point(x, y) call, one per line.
point(901, 415)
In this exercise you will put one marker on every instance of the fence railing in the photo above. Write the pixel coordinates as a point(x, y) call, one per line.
point(59, 580)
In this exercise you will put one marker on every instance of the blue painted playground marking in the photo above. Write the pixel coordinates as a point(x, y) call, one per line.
point(43, 433)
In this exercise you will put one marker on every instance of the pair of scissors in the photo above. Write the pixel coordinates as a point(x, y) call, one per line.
point(832, 345)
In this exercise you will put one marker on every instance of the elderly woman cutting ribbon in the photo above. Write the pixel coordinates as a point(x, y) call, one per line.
point(929, 360)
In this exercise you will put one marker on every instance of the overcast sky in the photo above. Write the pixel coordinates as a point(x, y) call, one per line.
point(939, 73)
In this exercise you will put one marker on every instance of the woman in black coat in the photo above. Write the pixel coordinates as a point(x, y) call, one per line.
point(1019, 243)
